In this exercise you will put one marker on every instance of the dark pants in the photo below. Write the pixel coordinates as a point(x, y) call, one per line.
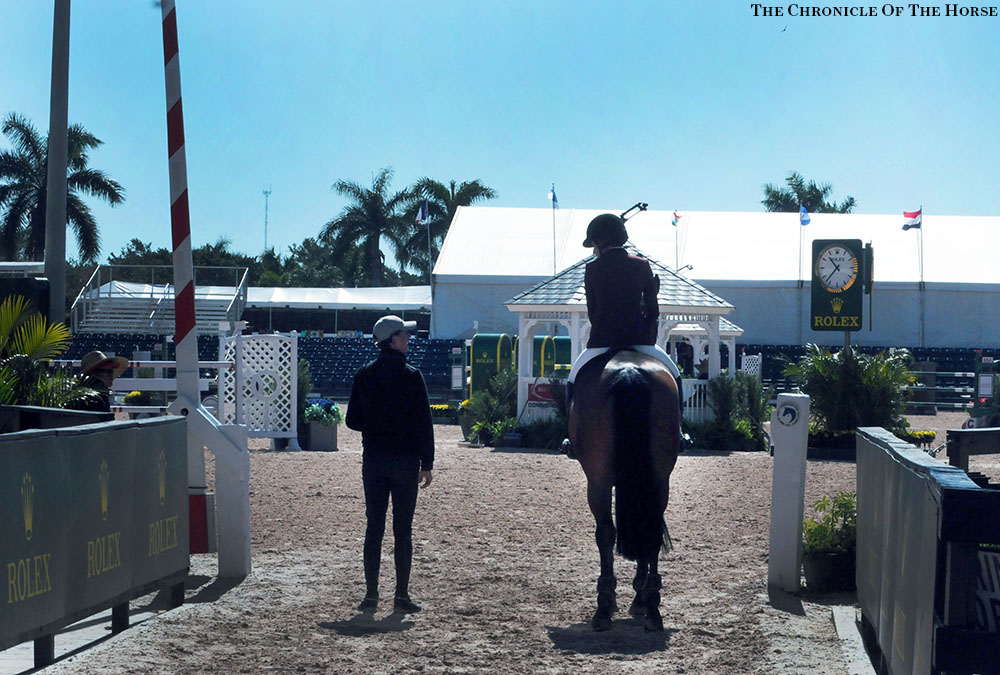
point(398, 476)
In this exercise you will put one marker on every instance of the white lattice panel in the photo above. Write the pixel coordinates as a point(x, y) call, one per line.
point(752, 364)
point(260, 391)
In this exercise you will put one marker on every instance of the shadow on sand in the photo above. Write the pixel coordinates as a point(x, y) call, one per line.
point(362, 624)
point(627, 636)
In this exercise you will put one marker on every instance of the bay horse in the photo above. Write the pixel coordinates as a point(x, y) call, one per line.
point(624, 424)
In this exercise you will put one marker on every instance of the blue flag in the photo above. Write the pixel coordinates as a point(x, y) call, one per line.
point(803, 216)
point(424, 212)
point(552, 196)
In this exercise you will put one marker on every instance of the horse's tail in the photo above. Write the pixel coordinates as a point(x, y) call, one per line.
point(639, 519)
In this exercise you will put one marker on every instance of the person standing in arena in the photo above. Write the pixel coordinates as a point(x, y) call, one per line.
point(389, 406)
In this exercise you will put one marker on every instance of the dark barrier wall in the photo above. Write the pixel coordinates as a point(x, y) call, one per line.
point(921, 524)
point(92, 516)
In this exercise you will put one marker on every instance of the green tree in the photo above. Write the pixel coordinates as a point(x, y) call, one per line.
point(799, 193)
point(442, 205)
point(850, 389)
point(23, 181)
point(373, 216)
point(27, 341)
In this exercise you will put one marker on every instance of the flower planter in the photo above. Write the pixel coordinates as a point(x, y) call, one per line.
point(321, 438)
point(466, 422)
point(829, 572)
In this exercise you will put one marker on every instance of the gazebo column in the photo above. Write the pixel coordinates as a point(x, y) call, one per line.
point(575, 335)
point(526, 333)
point(712, 326)
point(731, 343)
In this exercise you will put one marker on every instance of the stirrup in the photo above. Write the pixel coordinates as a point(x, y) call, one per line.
point(566, 448)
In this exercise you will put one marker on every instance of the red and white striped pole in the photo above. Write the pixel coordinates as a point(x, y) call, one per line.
point(185, 336)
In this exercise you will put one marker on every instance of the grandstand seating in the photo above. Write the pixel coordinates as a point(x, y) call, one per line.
point(332, 361)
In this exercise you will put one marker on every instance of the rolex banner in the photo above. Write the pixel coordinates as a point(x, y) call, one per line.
point(89, 516)
point(837, 285)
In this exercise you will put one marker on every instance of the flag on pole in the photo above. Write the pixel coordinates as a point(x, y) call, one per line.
point(552, 196)
point(803, 216)
point(424, 212)
point(912, 219)
point(676, 219)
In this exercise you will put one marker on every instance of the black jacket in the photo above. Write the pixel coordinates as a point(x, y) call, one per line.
point(621, 300)
point(389, 406)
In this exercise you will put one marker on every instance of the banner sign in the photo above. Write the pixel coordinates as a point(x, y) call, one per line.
point(88, 516)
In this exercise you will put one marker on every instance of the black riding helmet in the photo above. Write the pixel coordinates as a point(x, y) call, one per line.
point(606, 230)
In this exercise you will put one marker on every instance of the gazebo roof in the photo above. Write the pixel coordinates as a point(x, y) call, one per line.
point(677, 293)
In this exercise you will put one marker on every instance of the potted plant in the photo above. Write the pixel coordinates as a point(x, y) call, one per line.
point(323, 417)
point(465, 419)
point(829, 544)
point(137, 398)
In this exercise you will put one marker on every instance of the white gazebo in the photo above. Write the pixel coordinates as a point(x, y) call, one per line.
point(688, 312)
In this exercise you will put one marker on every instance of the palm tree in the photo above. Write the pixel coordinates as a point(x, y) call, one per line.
point(442, 204)
point(799, 193)
point(27, 341)
point(23, 179)
point(373, 216)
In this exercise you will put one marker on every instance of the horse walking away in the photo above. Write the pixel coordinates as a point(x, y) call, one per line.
point(624, 423)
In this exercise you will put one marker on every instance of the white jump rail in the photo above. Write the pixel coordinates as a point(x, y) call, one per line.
point(151, 383)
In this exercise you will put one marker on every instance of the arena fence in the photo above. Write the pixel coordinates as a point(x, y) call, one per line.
point(93, 517)
point(928, 560)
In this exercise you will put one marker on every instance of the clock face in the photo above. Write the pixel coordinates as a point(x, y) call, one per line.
point(837, 268)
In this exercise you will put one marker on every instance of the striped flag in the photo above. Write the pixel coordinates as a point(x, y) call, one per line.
point(424, 212)
point(912, 219)
point(803, 216)
point(676, 219)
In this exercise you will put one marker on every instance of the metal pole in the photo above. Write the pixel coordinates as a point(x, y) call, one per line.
point(55, 191)
point(430, 259)
point(267, 193)
point(553, 229)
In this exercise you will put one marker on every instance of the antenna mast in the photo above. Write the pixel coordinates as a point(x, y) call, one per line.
point(267, 193)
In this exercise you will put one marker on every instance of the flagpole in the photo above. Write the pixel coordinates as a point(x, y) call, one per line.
point(677, 263)
point(430, 259)
point(920, 264)
point(553, 229)
point(798, 329)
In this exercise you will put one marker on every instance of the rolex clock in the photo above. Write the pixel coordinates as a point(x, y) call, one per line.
point(837, 280)
point(837, 268)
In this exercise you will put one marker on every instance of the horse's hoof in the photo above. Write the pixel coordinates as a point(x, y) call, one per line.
point(601, 622)
point(653, 623)
point(637, 608)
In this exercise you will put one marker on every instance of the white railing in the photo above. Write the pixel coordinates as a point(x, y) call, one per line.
point(696, 408)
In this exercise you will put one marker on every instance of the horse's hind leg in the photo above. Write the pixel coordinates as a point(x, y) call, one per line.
point(638, 606)
point(606, 583)
point(651, 598)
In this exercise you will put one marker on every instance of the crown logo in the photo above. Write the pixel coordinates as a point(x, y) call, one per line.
point(27, 501)
point(837, 304)
point(104, 478)
point(161, 470)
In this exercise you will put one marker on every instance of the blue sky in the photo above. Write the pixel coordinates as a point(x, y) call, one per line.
point(688, 105)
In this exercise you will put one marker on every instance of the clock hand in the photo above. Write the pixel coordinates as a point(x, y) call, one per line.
point(830, 276)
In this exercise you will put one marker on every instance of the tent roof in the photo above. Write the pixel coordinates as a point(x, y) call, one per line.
point(490, 241)
point(389, 298)
point(676, 292)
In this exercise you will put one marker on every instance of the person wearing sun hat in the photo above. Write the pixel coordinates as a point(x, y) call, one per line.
point(98, 371)
point(389, 406)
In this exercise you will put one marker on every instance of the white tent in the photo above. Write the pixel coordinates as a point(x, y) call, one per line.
point(751, 259)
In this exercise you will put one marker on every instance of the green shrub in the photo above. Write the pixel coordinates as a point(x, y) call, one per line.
point(324, 412)
point(850, 390)
point(543, 433)
point(497, 400)
point(488, 433)
point(834, 528)
point(741, 408)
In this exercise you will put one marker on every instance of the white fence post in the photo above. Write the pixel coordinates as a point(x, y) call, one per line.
point(790, 434)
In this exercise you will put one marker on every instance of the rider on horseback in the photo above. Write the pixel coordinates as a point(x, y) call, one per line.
point(621, 301)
